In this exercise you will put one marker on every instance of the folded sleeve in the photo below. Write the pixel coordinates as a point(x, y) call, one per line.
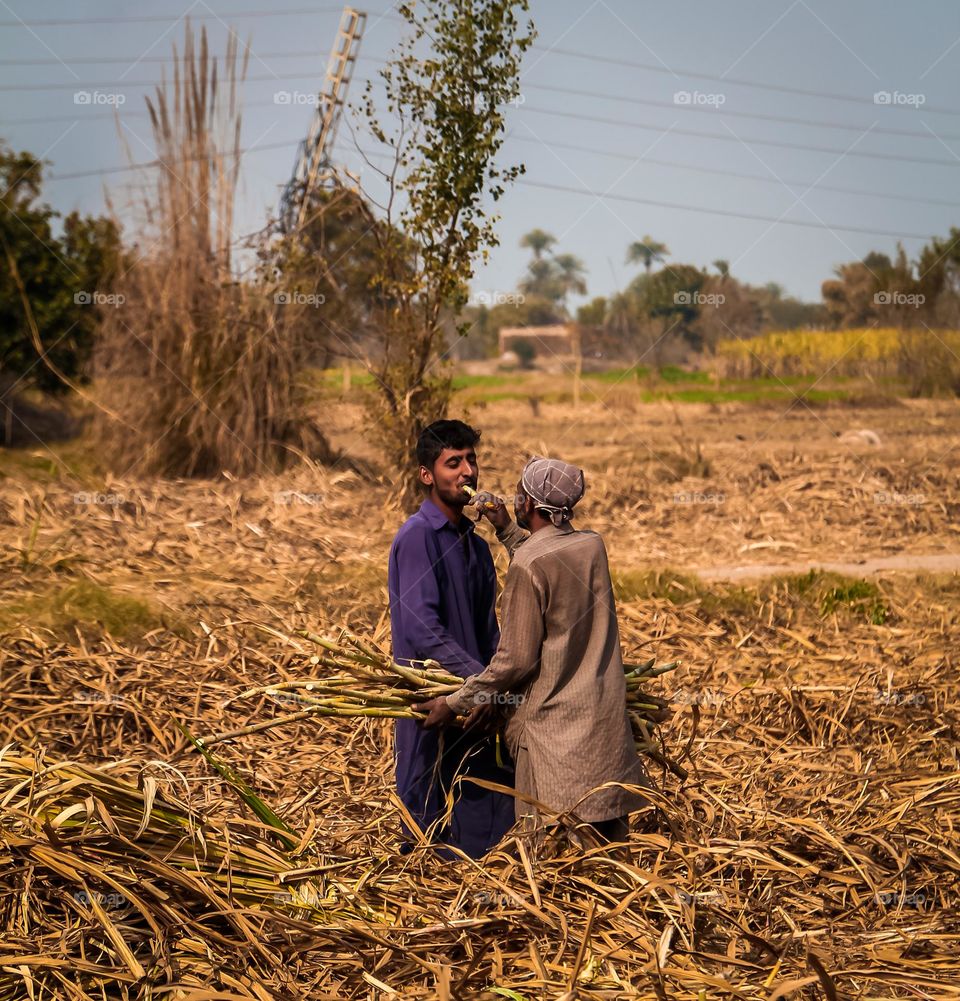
point(415, 608)
point(521, 639)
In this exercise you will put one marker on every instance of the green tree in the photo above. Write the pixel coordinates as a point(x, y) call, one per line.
point(543, 279)
point(447, 86)
point(551, 276)
point(672, 295)
point(647, 251)
point(938, 280)
point(538, 241)
point(54, 280)
point(850, 299)
point(570, 272)
point(593, 313)
point(788, 313)
point(333, 256)
point(727, 308)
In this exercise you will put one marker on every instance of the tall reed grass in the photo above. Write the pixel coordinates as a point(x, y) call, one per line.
point(200, 362)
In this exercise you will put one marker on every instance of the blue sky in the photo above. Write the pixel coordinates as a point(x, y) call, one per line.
point(656, 162)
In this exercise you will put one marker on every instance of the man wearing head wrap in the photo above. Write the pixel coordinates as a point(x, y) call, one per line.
point(558, 665)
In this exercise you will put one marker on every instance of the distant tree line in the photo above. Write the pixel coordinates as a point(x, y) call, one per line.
point(666, 304)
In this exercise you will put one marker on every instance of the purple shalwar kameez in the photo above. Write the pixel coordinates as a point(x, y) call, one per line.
point(443, 588)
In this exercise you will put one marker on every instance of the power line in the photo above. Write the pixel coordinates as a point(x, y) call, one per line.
point(729, 213)
point(613, 154)
point(549, 187)
point(546, 49)
point(785, 119)
point(601, 195)
point(162, 18)
point(696, 133)
point(765, 179)
point(146, 164)
point(128, 60)
point(117, 85)
point(595, 151)
point(803, 147)
point(696, 75)
point(645, 102)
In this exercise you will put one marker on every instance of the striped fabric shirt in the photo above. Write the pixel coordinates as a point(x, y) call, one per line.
point(559, 670)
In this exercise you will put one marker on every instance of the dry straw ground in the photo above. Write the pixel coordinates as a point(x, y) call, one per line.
point(812, 852)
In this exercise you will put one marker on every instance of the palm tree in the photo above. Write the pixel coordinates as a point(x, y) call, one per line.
point(538, 241)
point(542, 279)
point(723, 268)
point(646, 250)
point(570, 275)
point(621, 315)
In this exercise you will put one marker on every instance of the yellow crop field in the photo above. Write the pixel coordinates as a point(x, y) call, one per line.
point(858, 351)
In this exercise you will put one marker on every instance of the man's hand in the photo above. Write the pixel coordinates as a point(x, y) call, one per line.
point(497, 514)
point(439, 714)
point(483, 719)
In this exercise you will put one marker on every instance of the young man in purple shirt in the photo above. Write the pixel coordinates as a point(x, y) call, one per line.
point(443, 591)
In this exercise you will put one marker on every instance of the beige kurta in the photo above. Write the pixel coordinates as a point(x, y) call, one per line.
point(559, 664)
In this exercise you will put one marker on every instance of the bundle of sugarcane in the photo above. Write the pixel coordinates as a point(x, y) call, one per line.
point(366, 682)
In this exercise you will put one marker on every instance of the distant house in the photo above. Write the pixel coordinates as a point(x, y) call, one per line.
point(554, 341)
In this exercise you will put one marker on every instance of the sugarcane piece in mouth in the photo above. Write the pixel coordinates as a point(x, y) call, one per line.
point(482, 499)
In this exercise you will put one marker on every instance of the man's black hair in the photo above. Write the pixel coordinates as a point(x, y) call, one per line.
point(444, 434)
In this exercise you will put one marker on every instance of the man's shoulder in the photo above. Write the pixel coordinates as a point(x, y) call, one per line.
point(545, 546)
point(415, 528)
point(589, 541)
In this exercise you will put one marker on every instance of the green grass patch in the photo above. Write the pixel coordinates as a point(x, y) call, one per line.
point(671, 383)
point(751, 394)
point(619, 374)
point(499, 396)
point(680, 588)
point(75, 460)
point(832, 593)
point(821, 592)
point(671, 373)
point(37, 467)
point(329, 381)
point(91, 608)
point(651, 386)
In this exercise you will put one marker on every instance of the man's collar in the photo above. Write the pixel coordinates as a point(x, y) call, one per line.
point(436, 519)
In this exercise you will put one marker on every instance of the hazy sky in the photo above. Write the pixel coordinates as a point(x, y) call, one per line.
point(630, 109)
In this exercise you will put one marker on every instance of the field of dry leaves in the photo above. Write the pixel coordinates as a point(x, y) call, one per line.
point(812, 852)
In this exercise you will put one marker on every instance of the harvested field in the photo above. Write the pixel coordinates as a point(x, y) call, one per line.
point(811, 853)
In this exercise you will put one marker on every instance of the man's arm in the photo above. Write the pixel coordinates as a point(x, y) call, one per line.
point(415, 607)
point(488, 610)
point(512, 537)
point(508, 532)
point(521, 638)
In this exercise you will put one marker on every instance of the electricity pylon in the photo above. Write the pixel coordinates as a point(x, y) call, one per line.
point(312, 167)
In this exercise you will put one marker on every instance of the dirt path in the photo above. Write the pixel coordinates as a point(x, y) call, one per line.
point(905, 562)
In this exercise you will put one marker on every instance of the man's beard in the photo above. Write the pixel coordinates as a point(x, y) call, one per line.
point(454, 497)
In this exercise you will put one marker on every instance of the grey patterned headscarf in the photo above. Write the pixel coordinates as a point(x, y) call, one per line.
point(554, 486)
